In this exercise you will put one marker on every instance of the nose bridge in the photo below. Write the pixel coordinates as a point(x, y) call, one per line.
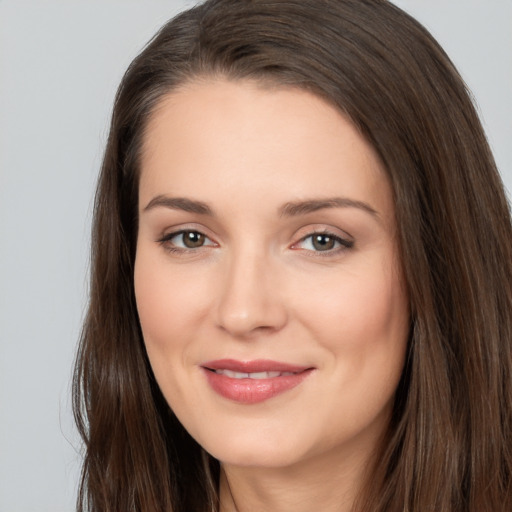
point(249, 298)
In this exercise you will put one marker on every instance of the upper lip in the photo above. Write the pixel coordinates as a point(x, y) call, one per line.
point(257, 365)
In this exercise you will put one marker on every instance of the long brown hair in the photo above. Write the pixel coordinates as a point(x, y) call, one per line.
point(449, 446)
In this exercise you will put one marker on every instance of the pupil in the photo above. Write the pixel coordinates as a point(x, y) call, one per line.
point(192, 239)
point(323, 242)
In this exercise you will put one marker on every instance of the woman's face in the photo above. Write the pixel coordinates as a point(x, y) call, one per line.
point(267, 277)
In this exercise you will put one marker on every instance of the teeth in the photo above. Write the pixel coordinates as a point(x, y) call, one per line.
point(233, 375)
point(255, 375)
point(263, 375)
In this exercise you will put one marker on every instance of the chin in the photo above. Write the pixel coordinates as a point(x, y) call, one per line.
point(254, 451)
point(269, 458)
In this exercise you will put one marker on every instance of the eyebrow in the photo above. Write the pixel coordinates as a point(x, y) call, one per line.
point(296, 208)
point(290, 209)
point(179, 203)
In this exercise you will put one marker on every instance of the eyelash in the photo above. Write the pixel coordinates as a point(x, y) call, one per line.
point(343, 243)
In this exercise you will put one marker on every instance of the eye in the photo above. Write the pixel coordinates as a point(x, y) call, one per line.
point(323, 242)
point(186, 240)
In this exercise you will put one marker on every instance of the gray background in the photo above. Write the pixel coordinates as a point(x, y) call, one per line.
point(60, 63)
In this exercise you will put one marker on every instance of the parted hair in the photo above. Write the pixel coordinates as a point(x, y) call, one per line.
point(449, 444)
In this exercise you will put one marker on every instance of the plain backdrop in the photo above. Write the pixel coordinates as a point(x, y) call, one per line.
point(60, 63)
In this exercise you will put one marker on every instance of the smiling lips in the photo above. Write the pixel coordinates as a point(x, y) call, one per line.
point(250, 382)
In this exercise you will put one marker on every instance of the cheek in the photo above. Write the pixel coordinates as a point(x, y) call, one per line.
point(377, 307)
point(362, 323)
point(167, 303)
point(362, 319)
point(154, 300)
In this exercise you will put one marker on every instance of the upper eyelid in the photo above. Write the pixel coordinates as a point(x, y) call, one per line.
point(170, 231)
point(322, 229)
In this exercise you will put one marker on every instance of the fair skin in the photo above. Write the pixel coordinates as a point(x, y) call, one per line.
point(267, 232)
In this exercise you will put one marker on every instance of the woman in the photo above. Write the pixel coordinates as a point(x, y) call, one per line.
point(301, 274)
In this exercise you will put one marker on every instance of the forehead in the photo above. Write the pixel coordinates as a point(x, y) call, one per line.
point(241, 137)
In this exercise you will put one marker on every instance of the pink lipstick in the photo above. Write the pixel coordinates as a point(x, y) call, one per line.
point(251, 382)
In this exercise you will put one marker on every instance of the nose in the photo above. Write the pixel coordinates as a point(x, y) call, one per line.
point(250, 297)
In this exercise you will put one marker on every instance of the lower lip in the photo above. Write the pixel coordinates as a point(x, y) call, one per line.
point(253, 391)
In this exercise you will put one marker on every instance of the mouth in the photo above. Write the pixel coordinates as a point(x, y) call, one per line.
point(255, 375)
point(251, 382)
